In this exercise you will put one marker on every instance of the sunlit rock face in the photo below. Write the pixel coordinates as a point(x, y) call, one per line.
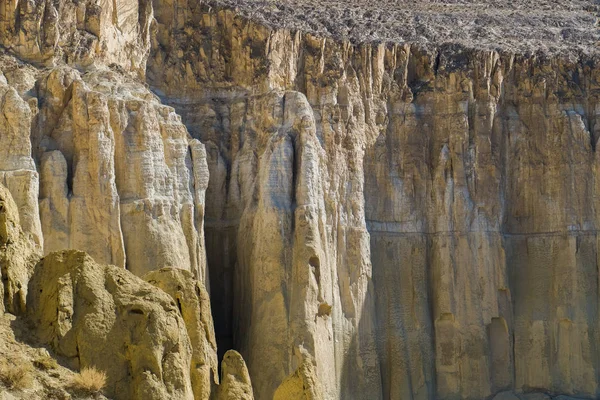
point(94, 161)
point(117, 174)
point(80, 33)
point(373, 219)
point(449, 214)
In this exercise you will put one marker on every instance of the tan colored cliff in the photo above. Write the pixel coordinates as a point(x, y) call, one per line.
point(376, 215)
point(18, 254)
point(194, 304)
point(149, 343)
point(460, 180)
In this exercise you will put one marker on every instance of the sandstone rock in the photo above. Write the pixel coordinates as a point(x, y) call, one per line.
point(10, 228)
point(194, 304)
point(235, 380)
point(104, 316)
point(425, 167)
point(303, 384)
point(200, 184)
point(272, 179)
point(17, 168)
point(80, 33)
point(33, 366)
point(415, 215)
point(54, 201)
point(18, 255)
point(7, 396)
point(118, 177)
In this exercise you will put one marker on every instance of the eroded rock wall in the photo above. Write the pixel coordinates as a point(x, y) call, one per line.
point(17, 168)
point(461, 181)
point(79, 33)
point(18, 255)
point(94, 161)
point(194, 304)
point(286, 222)
point(399, 221)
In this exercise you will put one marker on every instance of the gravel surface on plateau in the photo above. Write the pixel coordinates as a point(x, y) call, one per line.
point(521, 26)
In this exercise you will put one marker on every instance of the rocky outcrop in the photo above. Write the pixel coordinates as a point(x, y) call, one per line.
point(17, 168)
point(235, 380)
point(18, 255)
point(303, 384)
point(306, 281)
point(118, 173)
point(103, 316)
point(79, 33)
point(193, 303)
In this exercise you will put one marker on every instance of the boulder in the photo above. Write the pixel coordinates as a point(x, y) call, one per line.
point(104, 316)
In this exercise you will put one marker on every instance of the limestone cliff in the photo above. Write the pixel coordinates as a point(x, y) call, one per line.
point(460, 180)
point(379, 209)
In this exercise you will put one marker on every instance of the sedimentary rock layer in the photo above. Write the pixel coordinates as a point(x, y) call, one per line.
point(18, 254)
point(460, 180)
point(150, 340)
point(382, 220)
point(115, 171)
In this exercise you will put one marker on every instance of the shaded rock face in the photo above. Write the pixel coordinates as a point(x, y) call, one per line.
point(103, 316)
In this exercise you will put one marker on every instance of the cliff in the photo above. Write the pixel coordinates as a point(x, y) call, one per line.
point(380, 206)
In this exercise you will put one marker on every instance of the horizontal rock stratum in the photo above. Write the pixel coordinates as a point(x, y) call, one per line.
point(331, 200)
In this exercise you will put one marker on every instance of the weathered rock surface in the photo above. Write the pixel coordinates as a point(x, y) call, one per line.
point(461, 180)
point(303, 384)
point(104, 316)
point(194, 304)
point(520, 26)
point(235, 380)
point(18, 255)
point(119, 174)
point(79, 33)
point(407, 218)
point(49, 380)
point(118, 177)
point(17, 167)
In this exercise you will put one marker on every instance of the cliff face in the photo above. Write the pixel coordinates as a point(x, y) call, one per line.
point(382, 220)
point(461, 181)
